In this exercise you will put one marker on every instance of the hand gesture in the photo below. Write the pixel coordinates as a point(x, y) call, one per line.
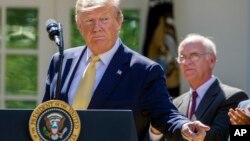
point(239, 116)
point(194, 131)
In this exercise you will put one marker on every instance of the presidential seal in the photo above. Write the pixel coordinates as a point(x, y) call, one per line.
point(54, 120)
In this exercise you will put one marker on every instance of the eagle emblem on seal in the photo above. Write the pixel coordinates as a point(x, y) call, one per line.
point(54, 126)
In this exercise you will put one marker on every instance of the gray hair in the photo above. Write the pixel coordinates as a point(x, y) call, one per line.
point(206, 42)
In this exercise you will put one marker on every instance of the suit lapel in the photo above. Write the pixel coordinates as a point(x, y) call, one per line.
point(115, 71)
point(207, 100)
point(183, 104)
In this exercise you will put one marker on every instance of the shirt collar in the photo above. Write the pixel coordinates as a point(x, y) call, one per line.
point(106, 56)
point(204, 87)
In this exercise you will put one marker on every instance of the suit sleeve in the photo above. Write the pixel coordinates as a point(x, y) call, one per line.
point(157, 102)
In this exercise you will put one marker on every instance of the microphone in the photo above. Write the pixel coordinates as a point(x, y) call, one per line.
point(53, 30)
point(56, 34)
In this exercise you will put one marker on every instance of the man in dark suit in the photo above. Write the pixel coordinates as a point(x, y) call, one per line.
point(197, 58)
point(124, 79)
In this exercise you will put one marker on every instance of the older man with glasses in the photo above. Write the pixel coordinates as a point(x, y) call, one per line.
point(208, 99)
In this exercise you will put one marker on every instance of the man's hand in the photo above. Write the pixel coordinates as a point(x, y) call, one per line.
point(239, 117)
point(194, 131)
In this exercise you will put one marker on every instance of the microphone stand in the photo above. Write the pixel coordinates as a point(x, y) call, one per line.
point(61, 48)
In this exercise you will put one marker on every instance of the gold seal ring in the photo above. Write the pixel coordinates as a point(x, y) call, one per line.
point(54, 120)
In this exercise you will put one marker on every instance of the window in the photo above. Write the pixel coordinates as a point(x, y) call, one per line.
point(20, 64)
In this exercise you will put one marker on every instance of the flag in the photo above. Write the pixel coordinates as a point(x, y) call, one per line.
point(161, 43)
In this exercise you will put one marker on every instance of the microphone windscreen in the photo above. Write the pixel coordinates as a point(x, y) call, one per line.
point(50, 21)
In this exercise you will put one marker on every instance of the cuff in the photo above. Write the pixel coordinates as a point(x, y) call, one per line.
point(154, 137)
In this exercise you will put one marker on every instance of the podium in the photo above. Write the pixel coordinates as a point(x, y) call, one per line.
point(96, 125)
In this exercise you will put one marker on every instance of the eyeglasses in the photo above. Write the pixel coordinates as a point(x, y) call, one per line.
point(192, 57)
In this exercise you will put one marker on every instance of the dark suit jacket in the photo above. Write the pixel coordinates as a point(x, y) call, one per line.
point(140, 87)
point(213, 108)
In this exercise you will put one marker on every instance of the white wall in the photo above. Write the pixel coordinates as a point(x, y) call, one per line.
point(226, 21)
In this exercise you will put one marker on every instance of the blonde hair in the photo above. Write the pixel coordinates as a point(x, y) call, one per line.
point(87, 5)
